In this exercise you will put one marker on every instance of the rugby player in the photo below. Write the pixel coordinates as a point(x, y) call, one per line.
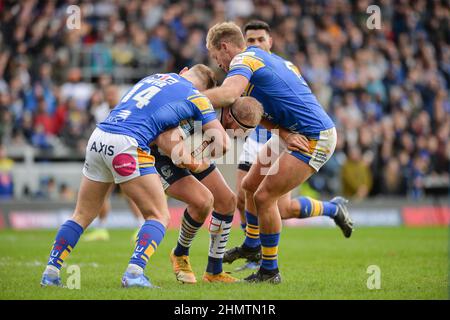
point(205, 192)
point(257, 33)
point(289, 103)
point(118, 152)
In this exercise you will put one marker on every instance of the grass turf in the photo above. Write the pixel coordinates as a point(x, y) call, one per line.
point(315, 263)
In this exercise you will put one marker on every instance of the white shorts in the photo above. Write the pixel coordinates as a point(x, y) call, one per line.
point(321, 148)
point(250, 151)
point(115, 158)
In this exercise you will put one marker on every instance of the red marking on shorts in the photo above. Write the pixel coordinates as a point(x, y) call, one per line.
point(124, 164)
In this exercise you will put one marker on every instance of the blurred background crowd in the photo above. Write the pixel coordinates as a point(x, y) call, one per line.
point(386, 89)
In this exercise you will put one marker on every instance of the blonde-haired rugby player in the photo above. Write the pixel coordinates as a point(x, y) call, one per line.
point(118, 152)
point(289, 103)
point(257, 33)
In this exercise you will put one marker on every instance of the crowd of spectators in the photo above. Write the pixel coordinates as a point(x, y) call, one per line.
point(387, 89)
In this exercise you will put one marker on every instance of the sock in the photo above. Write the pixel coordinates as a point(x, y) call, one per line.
point(269, 246)
point(312, 208)
point(188, 230)
point(244, 227)
point(66, 239)
point(135, 269)
point(51, 270)
point(148, 239)
point(252, 231)
point(219, 230)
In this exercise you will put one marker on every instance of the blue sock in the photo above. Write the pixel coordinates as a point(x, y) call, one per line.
point(148, 239)
point(252, 231)
point(269, 248)
point(244, 226)
point(66, 239)
point(188, 230)
point(312, 208)
point(219, 230)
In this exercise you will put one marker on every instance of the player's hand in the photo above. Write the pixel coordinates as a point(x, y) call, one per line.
point(195, 166)
point(200, 167)
point(297, 142)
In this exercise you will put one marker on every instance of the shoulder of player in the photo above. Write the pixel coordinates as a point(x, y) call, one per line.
point(200, 101)
point(252, 57)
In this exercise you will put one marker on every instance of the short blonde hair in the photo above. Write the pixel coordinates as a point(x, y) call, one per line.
point(205, 74)
point(224, 32)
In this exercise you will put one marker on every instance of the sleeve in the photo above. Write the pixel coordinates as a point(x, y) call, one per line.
point(245, 65)
point(204, 110)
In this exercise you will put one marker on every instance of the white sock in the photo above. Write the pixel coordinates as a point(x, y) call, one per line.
point(51, 270)
point(134, 269)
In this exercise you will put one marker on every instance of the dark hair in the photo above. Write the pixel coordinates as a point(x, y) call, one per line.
point(257, 25)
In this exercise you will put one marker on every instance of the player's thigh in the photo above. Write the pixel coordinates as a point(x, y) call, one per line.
point(192, 192)
point(224, 197)
point(259, 168)
point(106, 208)
point(287, 173)
point(91, 199)
point(147, 193)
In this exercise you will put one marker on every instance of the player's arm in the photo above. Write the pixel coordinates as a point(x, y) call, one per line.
point(294, 141)
point(212, 128)
point(171, 143)
point(225, 95)
point(220, 141)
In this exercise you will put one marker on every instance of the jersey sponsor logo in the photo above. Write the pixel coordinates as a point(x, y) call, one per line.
point(253, 63)
point(202, 103)
point(102, 148)
point(122, 115)
point(124, 164)
point(237, 60)
point(247, 59)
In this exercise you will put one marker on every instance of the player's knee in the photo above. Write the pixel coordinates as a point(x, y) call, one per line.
point(261, 198)
point(225, 203)
point(201, 206)
point(248, 185)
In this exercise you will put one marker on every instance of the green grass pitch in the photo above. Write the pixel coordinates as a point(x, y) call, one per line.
point(315, 263)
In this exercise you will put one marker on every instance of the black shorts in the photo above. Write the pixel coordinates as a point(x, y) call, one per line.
point(170, 173)
point(244, 166)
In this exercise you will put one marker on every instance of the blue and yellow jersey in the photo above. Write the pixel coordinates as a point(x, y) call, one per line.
point(155, 104)
point(284, 94)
